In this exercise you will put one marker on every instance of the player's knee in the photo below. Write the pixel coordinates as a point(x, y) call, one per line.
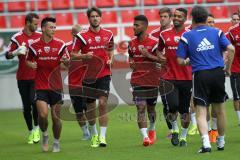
point(185, 117)
point(172, 117)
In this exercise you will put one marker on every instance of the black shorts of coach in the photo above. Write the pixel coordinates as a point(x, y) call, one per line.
point(78, 101)
point(145, 95)
point(50, 97)
point(208, 87)
point(235, 85)
point(178, 100)
point(93, 89)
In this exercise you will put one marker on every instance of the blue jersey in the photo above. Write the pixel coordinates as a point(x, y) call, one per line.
point(204, 46)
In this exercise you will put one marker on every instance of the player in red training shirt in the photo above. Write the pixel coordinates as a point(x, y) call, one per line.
point(234, 34)
point(165, 14)
point(144, 78)
point(177, 100)
point(25, 76)
point(75, 76)
point(45, 55)
point(96, 44)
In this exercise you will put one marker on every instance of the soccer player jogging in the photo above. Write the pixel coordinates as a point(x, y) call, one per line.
point(75, 76)
point(96, 43)
point(25, 76)
point(45, 55)
point(178, 100)
point(144, 78)
point(234, 34)
point(204, 46)
point(165, 14)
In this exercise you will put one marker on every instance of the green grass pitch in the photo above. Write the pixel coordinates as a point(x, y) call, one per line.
point(123, 137)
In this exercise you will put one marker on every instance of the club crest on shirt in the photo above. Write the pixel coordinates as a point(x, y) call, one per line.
point(133, 49)
point(176, 39)
point(30, 41)
point(140, 47)
point(89, 40)
point(47, 49)
point(98, 39)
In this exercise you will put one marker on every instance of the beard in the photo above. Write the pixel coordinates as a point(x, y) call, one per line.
point(138, 34)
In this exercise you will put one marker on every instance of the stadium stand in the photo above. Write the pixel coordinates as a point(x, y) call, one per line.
point(152, 14)
point(39, 5)
point(80, 4)
point(1, 7)
point(165, 2)
point(17, 21)
point(60, 4)
point(150, 2)
point(64, 19)
point(16, 6)
point(124, 3)
point(105, 3)
point(82, 18)
point(219, 11)
point(128, 16)
point(2, 22)
point(214, 1)
point(112, 17)
point(192, 1)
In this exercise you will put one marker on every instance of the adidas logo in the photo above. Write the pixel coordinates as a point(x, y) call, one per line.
point(205, 45)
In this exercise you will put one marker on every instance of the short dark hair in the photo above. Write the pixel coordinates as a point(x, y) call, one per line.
point(211, 15)
point(199, 14)
point(182, 10)
point(90, 10)
point(165, 10)
point(29, 17)
point(141, 18)
point(235, 13)
point(46, 20)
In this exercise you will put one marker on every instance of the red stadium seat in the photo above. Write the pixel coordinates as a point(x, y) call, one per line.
point(150, 2)
point(192, 1)
point(105, 3)
point(124, 3)
point(17, 21)
point(214, 1)
point(219, 11)
point(152, 14)
point(128, 16)
point(1, 6)
point(39, 5)
point(3, 22)
point(233, 0)
point(109, 17)
point(60, 4)
point(81, 3)
point(82, 18)
point(171, 1)
point(64, 19)
point(232, 9)
point(16, 6)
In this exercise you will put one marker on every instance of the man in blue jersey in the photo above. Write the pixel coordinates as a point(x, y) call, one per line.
point(204, 46)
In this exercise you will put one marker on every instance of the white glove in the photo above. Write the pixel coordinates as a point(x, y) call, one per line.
point(20, 50)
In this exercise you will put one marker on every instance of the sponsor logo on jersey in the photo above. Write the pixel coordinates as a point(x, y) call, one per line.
point(204, 45)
